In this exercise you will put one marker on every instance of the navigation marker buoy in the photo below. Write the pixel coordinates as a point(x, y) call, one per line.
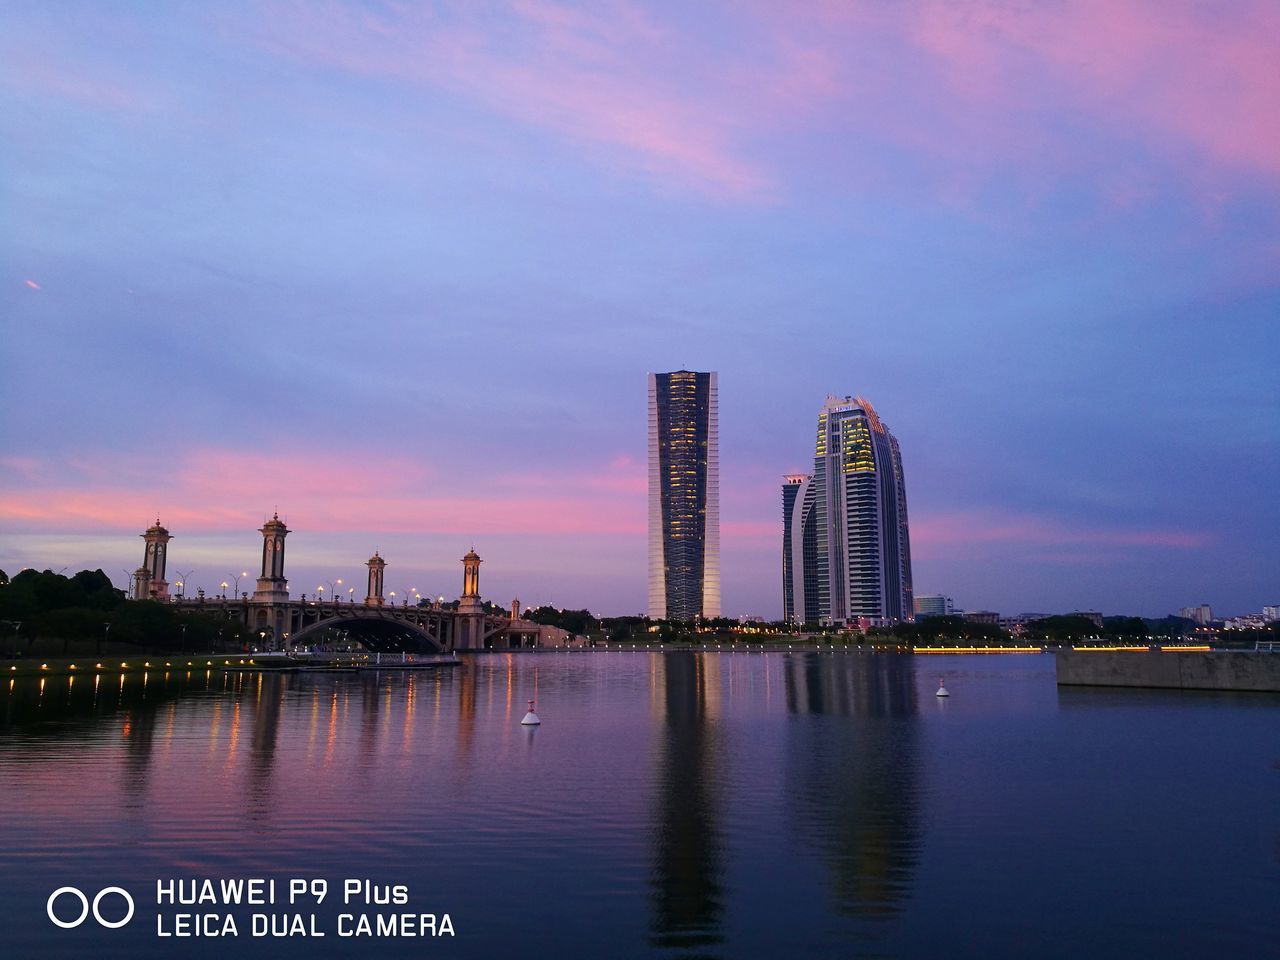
point(530, 718)
point(942, 691)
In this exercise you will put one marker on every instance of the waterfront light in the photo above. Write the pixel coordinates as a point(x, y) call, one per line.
point(44, 666)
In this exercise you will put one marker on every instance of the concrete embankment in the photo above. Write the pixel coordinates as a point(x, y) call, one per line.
point(1179, 670)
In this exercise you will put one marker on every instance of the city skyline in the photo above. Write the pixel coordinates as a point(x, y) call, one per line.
point(399, 272)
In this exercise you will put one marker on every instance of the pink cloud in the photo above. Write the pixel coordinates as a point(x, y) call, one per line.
point(1202, 74)
point(226, 490)
point(599, 76)
point(27, 469)
point(958, 529)
point(51, 68)
point(746, 530)
point(732, 102)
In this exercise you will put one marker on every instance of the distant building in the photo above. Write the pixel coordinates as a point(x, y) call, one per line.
point(933, 605)
point(1271, 613)
point(1202, 615)
point(1250, 621)
point(1093, 616)
point(983, 616)
point(684, 496)
point(846, 548)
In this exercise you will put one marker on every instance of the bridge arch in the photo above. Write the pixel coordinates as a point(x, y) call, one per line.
point(379, 634)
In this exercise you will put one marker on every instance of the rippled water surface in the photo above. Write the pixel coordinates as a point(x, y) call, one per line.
point(675, 805)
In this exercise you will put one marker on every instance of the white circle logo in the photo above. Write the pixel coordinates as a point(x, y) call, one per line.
point(85, 907)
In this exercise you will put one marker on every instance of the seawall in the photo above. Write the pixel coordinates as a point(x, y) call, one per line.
point(1179, 670)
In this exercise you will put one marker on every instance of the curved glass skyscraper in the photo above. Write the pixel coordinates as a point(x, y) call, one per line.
point(846, 550)
point(684, 496)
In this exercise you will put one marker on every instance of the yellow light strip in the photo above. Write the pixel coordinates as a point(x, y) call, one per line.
point(1112, 649)
point(978, 650)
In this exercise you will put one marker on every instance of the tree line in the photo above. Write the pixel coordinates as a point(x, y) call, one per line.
point(48, 614)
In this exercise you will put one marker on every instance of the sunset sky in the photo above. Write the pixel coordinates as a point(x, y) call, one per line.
point(399, 271)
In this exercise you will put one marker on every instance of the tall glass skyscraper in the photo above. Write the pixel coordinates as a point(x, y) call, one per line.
point(684, 496)
point(846, 550)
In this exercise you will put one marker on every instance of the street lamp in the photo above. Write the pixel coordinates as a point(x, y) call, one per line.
point(333, 589)
point(182, 583)
point(236, 591)
point(224, 589)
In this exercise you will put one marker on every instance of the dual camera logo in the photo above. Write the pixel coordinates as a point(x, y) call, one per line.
point(86, 908)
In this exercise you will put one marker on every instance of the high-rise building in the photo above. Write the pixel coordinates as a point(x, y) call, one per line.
point(846, 547)
point(933, 605)
point(684, 496)
point(1202, 614)
point(799, 551)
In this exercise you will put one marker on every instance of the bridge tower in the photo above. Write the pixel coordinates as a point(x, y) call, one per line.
point(471, 575)
point(376, 567)
point(148, 579)
point(469, 626)
point(272, 585)
point(515, 609)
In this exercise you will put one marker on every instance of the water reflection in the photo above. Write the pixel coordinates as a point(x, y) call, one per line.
point(682, 804)
point(853, 774)
point(687, 888)
point(66, 706)
point(268, 705)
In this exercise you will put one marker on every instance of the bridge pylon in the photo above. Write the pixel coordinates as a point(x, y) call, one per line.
point(376, 567)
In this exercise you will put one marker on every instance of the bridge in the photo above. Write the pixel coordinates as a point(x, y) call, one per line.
point(283, 622)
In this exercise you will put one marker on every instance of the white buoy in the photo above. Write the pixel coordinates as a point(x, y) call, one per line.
point(530, 718)
point(942, 691)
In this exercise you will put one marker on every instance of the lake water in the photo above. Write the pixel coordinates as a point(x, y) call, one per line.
point(684, 804)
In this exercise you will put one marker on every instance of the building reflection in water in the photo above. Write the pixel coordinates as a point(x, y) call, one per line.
point(268, 694)
point(853, 771)
point(687, 869)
